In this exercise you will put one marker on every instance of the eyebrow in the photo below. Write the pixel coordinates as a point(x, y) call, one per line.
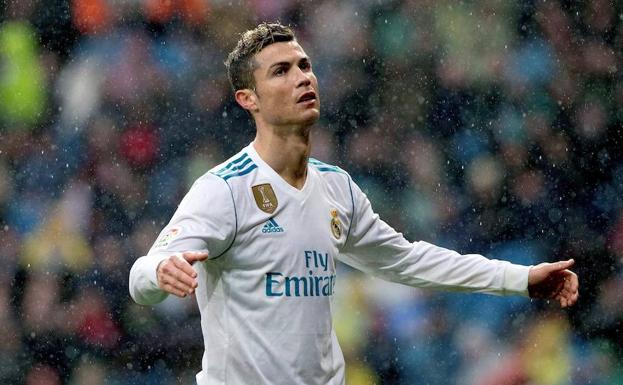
point(281, 63)
point(287, 63)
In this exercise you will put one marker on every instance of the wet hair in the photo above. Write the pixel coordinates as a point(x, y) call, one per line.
point(240, 63)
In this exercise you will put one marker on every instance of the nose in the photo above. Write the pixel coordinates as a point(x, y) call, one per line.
point(302, 78)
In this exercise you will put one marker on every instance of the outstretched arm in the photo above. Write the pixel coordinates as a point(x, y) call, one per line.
point(554, 280)
point(376, 248)
point(204, 221)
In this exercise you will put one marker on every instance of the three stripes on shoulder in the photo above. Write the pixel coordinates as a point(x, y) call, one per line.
point(237, 167)
point(244, 165)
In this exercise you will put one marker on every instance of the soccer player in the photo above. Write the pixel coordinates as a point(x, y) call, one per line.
point(258, 236)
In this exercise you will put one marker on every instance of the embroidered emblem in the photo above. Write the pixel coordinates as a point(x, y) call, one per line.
point(265, 197)
point(336, 225)
point(167, 237)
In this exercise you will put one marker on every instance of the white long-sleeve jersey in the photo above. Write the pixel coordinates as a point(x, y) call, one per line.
point(265, 292)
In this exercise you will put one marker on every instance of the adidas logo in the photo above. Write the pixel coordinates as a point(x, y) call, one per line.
point(271, 226)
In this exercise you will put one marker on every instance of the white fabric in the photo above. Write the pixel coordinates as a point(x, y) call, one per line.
point(265, 297)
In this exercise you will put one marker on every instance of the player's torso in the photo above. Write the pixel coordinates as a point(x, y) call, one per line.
point(267, 304)
point(287, 241)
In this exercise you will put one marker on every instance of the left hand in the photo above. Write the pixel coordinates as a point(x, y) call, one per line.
point(553, 280)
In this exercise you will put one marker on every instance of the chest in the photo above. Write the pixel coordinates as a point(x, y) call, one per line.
point(290, 233)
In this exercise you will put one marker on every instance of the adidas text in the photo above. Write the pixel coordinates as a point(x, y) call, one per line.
point(272, 230)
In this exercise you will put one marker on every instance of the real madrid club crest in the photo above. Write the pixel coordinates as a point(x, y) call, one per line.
point(336, 225)
point(265, 197)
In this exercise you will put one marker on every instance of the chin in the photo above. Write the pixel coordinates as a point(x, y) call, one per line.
point(306, 118)
point(311, 117)
point(309, 122)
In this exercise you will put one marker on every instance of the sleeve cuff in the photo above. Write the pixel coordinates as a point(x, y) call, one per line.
point(516, 279)
point(143, 282)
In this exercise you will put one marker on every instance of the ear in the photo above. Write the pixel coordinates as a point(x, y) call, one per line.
point(247, 99)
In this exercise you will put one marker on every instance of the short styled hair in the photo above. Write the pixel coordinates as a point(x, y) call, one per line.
point(240, 64)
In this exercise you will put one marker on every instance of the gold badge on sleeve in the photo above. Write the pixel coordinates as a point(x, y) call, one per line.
point(336, 225)
point(265, 197)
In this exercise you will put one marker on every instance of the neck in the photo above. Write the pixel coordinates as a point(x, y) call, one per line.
point(286, 151)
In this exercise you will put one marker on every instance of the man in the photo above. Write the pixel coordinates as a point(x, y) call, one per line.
point(267, 225)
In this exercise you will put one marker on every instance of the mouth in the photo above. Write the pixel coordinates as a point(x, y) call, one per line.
point(307, 97)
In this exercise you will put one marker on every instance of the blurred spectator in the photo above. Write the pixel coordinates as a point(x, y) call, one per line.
point(546, 353)
point(10, 344)
point(43, 375)
point(92, 373)
point(193, 12)
point(22, 86)
point(91, 16)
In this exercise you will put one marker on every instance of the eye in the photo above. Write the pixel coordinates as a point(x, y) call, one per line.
point(305, 65)
point(279, 71)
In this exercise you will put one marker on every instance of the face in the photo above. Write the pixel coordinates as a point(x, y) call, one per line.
point(286, 89)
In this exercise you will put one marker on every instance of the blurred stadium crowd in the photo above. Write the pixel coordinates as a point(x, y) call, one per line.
point(484, 126)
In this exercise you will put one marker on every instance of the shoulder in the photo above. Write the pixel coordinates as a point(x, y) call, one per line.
point(338, 177)
point(327, 170)
point(207, 191)
point(333, 176)
point(215, 185)
point(237, 166)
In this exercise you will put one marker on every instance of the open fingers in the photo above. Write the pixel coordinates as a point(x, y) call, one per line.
point(566, 279)
point(173, 277)
point(571, 281)
point(173, 289)
point(194, 256)
point(567, 298)
point(186, 268)
point(571, 295)
point(564, 264)
point(170, 284)
point(571, 284)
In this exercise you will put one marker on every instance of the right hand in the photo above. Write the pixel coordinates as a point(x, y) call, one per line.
point(176, 274)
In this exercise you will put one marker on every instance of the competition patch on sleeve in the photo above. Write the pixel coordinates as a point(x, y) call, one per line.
point(167, 237)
